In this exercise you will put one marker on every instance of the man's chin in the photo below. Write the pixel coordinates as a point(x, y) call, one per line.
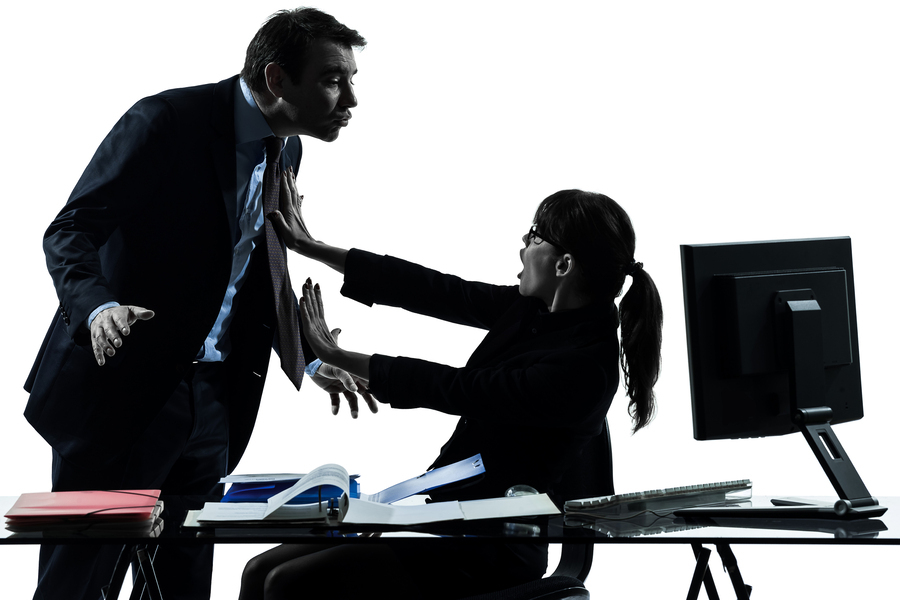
point(330, 136)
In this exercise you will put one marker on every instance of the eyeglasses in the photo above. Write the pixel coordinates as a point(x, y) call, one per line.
point(538, 238)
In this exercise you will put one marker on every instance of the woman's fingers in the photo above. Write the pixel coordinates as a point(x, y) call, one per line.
point(313, 306)
point(317, 294)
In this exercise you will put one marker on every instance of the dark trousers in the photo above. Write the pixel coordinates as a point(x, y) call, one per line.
point(183, 452)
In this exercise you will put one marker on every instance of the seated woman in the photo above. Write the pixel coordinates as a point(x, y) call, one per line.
point(546, 372)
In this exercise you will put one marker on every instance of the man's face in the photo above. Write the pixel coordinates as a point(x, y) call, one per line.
point(318, 103)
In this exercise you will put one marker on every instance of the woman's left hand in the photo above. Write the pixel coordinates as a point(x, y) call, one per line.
point(324, 343)
point(315, 329)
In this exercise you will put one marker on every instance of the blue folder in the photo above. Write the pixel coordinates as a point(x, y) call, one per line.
point(260, 492)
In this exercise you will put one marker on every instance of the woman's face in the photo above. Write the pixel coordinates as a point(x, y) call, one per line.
point(538, 277)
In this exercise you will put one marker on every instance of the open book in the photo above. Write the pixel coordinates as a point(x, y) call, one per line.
point(333, 508)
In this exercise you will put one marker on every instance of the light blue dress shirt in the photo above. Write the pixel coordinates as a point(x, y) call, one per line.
point(250, 128)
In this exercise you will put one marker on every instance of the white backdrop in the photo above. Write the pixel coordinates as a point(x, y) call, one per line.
point(708, 121)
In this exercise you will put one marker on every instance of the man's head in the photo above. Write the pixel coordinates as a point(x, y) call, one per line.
point(285, 38)
point(299, 67)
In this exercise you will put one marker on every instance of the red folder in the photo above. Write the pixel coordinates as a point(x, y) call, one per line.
point(93, 506)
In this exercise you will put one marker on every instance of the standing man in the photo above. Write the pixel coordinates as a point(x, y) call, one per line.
point(173, 288)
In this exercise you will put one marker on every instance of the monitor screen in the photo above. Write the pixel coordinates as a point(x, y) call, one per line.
point(740, 341)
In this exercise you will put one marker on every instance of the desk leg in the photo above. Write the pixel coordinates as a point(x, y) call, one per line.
point(111, 591)
point(730, 562)
point(150, 584)
point(145, 577)
point(702, 575)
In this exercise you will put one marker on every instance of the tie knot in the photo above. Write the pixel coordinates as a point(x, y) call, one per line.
point(273, 149)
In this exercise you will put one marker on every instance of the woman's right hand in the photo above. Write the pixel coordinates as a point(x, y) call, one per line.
point(288, 221)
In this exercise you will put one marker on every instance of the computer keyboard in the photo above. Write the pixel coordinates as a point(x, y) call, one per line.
point(644, 524)
point(668, 499)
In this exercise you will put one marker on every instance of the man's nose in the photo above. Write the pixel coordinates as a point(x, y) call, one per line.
point(348, 96)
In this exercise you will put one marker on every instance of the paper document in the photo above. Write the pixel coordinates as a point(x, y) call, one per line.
point(261, 477)
point(435, 478)
point(329, 474)
point(363, 512)
point(506, 507)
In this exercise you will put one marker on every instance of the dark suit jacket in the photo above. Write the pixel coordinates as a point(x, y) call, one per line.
point(532, 398)
point(151, 223)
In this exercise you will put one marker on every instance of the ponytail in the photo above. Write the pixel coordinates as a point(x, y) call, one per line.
point(641, 319)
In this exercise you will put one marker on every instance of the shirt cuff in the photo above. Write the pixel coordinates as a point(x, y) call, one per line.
point(98, 310)
point(312, 367)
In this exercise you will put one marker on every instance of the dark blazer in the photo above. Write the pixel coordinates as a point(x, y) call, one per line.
point(532, 398)
point(151, 223)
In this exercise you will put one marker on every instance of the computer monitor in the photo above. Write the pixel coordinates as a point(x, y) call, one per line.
point(773, 347)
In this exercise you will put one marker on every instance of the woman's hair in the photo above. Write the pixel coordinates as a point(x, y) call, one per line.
point(600, 237)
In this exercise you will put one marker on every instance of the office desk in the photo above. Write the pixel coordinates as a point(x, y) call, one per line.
point(884, 531)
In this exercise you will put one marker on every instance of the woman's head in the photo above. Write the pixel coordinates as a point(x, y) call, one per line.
point(596, 232)
point(587, 239)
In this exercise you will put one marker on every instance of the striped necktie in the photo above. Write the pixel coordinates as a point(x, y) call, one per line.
point(292, 360)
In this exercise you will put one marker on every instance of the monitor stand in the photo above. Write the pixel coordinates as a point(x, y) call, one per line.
point(854, 499)
point(807, 380)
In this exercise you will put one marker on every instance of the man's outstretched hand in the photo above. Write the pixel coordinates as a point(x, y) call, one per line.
point(110, 327)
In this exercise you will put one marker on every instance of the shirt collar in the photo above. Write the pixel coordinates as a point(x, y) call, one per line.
point(249, 123)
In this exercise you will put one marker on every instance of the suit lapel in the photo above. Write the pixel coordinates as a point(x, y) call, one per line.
point(293, 151)
point(221, 146)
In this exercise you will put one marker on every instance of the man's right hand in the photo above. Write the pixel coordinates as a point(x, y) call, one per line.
point(111, 325)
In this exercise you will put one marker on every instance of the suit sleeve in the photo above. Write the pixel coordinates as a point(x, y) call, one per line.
point(119, 178)
point(389, 281)
point(556, 389)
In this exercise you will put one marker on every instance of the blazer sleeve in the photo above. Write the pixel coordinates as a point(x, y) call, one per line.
point(555, 389)
point(114, 187)
point(372, 279)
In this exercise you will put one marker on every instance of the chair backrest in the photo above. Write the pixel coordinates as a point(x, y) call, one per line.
point(592, 474)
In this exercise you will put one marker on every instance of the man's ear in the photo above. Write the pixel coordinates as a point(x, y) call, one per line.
point(275, 77)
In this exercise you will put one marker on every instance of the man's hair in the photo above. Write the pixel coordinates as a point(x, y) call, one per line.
point(284, 39)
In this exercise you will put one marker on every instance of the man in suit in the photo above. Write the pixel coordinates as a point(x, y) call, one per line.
point(151, 374)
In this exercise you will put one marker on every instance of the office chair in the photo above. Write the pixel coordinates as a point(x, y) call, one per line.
point(565, 583)
point(591, 476)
